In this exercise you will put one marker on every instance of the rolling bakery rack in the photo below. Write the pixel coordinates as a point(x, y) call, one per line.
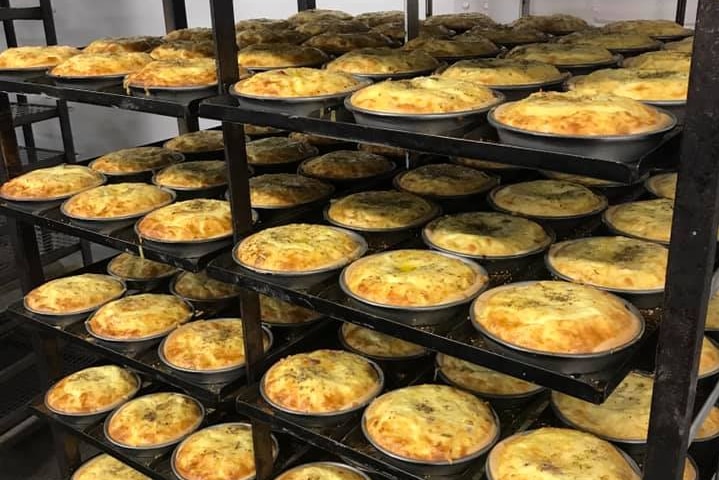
point(678, 407)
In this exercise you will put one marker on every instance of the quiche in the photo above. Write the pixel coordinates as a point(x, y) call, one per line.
point(647, 219)
point(141, 43)
point(192, 175)
point(709, 358)
point(317, 15)
point(199, 73)
point(106, 467)
point(332, 26)
point(322, 471)
point(131, 267)
point(265, 35)
point(316, 140)
point(197, 142)
point(278, 150)
point(460, 21)
point(580, 179)
point(277, 312)
point(423, 95)
point(559, 23)
point(195, 34)
point(380, 210)
point(505, 35)
point(116, 201)
point(199, 286)
point(184, 50)
point(548, 199)
point(668, 60)
point(92, 390)
point(339, 43)
point(253, 23)
point(443, 48)
point(614, 42)
point(299, 248)
point(138, 317)
point(489, 235)
point(482, 164)
point(383, 61)
point(652, 28)
point(260, 130)
point(74, 294)
point(563, 55)
point(280, 55)
point(285, 190)
point(663, 185)
point(558, 454)
point(321, 382)
point(51, 183)
point(386, 150)
point(90, 65)
point(712, 317)
point(155, 419)
point(134, 160)
point(643, 85)
point(207, 345)
point(378, 345)
point(346, 165)
point(297, 82)
point(18, 58)
point(396, 31)
point(445, 180)
point(497, 72)
point(219, 452)
point(413, 279)
point(482, 381)
point(430, 423)
point(685, 45)
point(195, 220)
point(710, 428)
point(557, 318)
point(618, 263)
point(381, 17)
point(571, 114)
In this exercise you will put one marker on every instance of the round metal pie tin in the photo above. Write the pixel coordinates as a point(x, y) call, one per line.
point(177, 158)
point(173, 197)
point(344, 466)
point(102, 178)
point(378, 77)
point(518, 92)
point(436, 211)
point(584, 68)
point(141, 284)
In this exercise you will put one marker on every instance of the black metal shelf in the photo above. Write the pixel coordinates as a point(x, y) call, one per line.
point(33, 157)
point(27, 113)
point(20, 13)
point(480, 143)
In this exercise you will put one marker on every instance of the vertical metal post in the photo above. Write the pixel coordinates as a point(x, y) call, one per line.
point(306, 5)
point(175, 14)
point(691, 259)
point(411, 19)
point(223, 24)
point(428, 8)
point(525, 8)
point(48, 22)
point(681, 11)
point(187, 124)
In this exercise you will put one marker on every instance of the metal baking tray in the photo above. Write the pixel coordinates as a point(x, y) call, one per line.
point(154, 450)
point(377, 358)
point(618, 148)
point(435, 212)
point(102, 180)
point(564, 363)
point(518, 92)
point(343, 181)
point(325, 418)
point(85, 81)
point(24, 73)
point(142, 284)
point(219, 375)
point(173, 197)
point(203, 306)
point(585, 68)
point(174, 93)
point(84, 419)
point(429, 124)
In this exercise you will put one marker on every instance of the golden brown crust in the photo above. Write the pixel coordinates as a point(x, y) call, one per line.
point(557, 23)
point(131, 267)
point(346, 165)
point(611, 262)
point(553, 453)
point(503, 71)
point(652, 28)
point(611, 41)
point(460, 21)
point(433, 423)
point(52, 182)
point(395, 31)
point(486, 234)
point(118, 200)
point(445, 180)
point(106, 467)
point(378, 210)
point(100, 64)
point(686, 45)
point(562, 54)
point(273, 150)
point(280, 55)
point(269, 35)
point(92, 390)
point(381, 17)
point(196, 34)
point(480, 380)
point(286, 190)
point(548, 198)
point(297, 82)
point(139, 316)
point(254, 23)
point(196, 142)
point(410, 278)
point(666, 60)
point(556, 317)
point(580, 179)
point(191, 220)
point(169, 73)
point(199, 286)
point(500, 34)
point(375, 61)
point(275, 311)
point(193, 175)
point(134, 160)
point(68, 295)
point(36, 57)
point(154, 419)
point(376, 344)
point(712, 318)
point(298, 248)
point(663, 185)
point(184, 50)
point(318, 14)
point(573, 113)
point(423, 95)
point(482, 164)
point(386, 150)
point(709, 358)
point(322, 471)
point(451, 48)
point(322, 381)
point(710, 427)
point(261, 130)
point(648, 219)
point(207, 345)
point(332, 26)
point(643, 85)
point(142, 43)
point(316, 140)
point(339, 43)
